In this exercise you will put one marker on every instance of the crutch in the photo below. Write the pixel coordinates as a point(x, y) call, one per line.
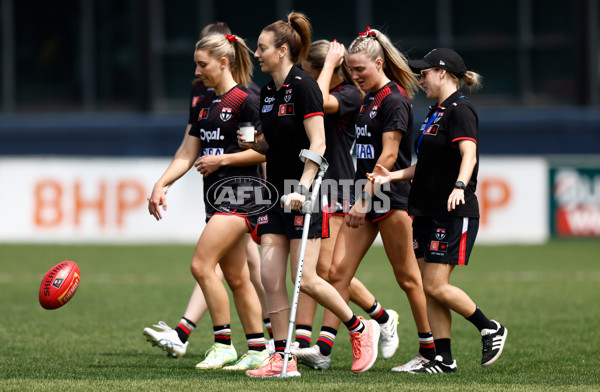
point(307, 208)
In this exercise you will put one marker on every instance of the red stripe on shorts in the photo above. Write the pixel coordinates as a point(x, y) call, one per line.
point(462, 250)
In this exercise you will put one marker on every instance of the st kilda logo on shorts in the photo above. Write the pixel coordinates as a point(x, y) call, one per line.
point(226, 114)
point(440, 234)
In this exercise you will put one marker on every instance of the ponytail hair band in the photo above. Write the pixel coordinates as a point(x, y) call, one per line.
point(368, 33)
point(231, 38)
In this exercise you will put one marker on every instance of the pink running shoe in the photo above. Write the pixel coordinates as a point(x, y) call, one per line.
point(364, 346)
point(272, 367)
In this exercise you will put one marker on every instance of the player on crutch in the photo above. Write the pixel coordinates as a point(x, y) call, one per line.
point(291, 112)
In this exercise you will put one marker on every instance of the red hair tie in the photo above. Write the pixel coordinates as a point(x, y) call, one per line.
point(231, 38)
point(368, 33)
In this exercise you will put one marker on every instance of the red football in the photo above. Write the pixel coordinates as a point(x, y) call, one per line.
point(59, 285)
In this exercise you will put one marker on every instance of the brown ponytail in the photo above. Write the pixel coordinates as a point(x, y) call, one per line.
point(296, 33)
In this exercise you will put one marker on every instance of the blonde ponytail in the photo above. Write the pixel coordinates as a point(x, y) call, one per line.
point(377, 45)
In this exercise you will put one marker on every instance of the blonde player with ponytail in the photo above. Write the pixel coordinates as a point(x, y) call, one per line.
point(383, 137)
point(224, 65)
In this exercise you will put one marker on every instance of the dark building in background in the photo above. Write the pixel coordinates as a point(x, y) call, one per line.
point(90, 58)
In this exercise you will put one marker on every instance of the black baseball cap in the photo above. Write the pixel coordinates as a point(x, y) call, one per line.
point(443, 58)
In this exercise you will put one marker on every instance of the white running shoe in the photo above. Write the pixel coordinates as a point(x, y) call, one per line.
point(270, 346)
point(294, 347)
point(312, 357)
point(389, 335)
point(167, 339)
point(411, 365)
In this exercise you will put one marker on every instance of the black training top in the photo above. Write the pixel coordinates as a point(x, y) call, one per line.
point(216, 122)
point(340, 133)
point(439, 159)
point(383, 111)
point(282, 115)
point(200, 90)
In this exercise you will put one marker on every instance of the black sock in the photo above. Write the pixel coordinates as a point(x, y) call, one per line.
point(280, 347)
point(378, 313)
point(354, 324)
point(256, 341)
point(442, 347)
point(184, 329)
point(303, 335)
point(426, 345)
point(326, 339)
point(267, 323)
point(479, 320)
point(222, 334)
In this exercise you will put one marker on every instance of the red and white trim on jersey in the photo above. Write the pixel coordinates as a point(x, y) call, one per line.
point(464, 138)
point(313, 114)
point(463, 243)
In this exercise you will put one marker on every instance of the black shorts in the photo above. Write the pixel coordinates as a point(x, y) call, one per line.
point(446, 239)
point(276, 221)
point(251, 220)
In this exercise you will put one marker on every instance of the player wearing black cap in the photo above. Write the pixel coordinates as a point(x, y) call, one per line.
point(443, 202)
point(383, 135)
point(291, 113)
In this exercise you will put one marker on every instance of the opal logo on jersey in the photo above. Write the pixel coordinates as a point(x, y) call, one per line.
point(244, 194)
point(269, 99)
point(209, 136)
point(226, 114)
point(362, 131)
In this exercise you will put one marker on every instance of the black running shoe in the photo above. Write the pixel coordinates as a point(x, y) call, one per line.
point(493, 342)
point(436, 366)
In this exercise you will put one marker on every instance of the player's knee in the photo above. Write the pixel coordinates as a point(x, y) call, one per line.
point(336, 274)
point(432, 289)
point(234, 282)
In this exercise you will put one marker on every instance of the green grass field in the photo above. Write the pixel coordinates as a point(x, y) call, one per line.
point(545, 295)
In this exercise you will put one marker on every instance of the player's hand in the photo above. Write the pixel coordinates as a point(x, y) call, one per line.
point(456, 197)
point(356, 216)
point(156, 199)
point(294, 201)
point(243, 143)
point(379, 176)
point(335, 55)
point(208, 164)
